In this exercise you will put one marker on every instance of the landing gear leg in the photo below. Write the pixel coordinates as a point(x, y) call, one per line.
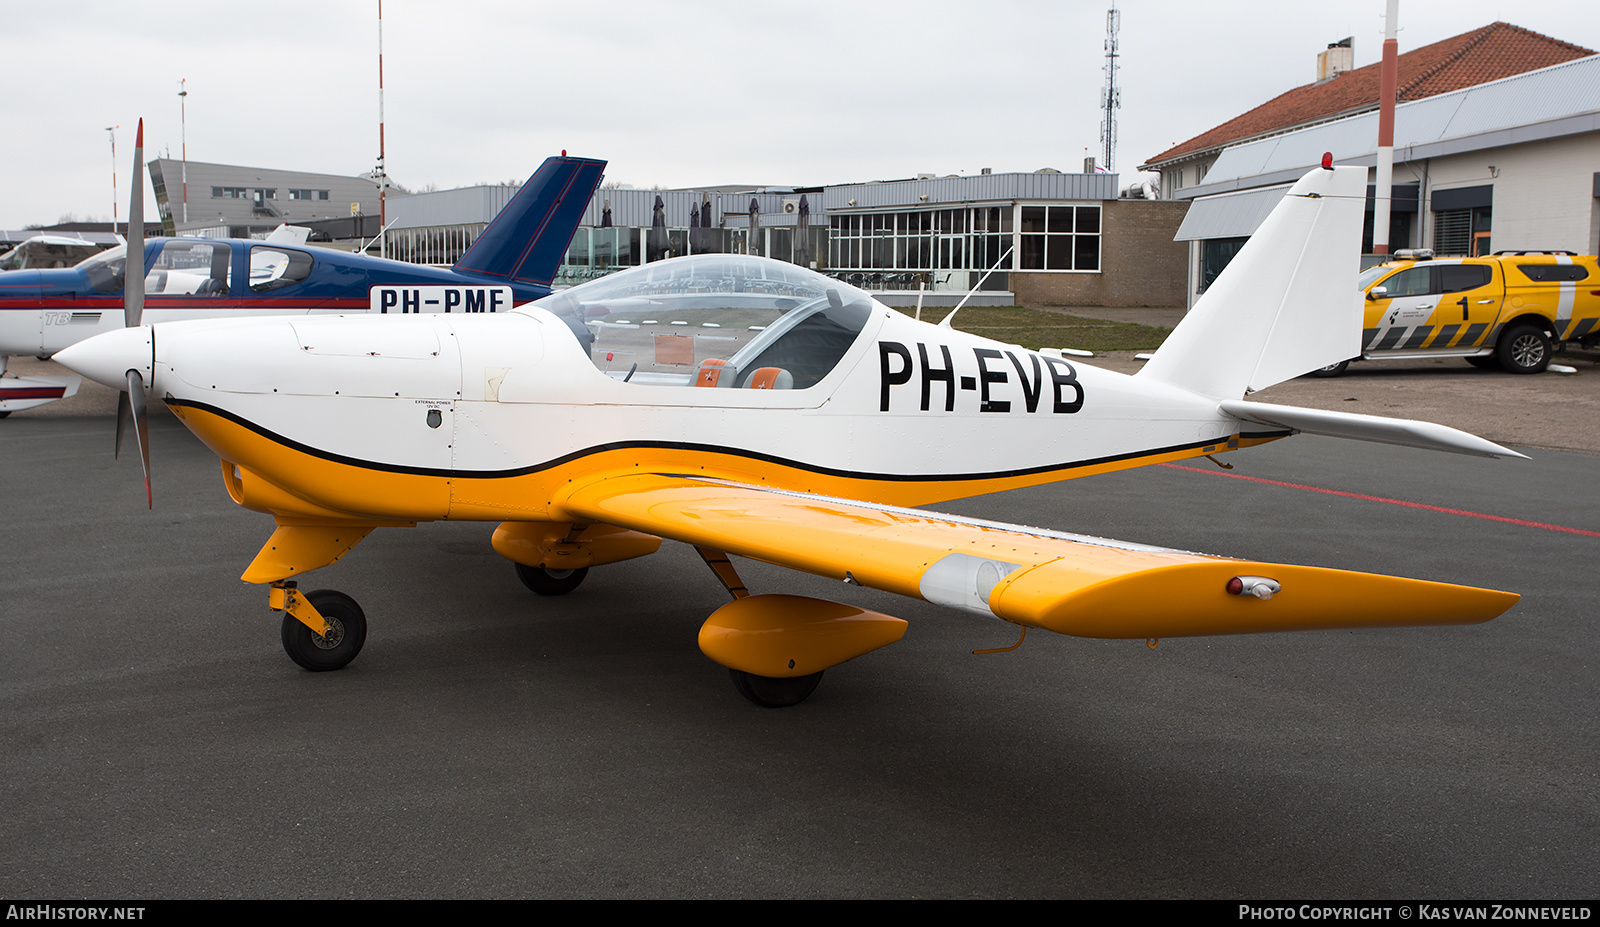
point(766, 691)
point(322, 630)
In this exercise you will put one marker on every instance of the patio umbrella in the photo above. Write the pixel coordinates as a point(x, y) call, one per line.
point(605, 216)
point(657, 245)
point(752, 241)
point(712, 241)
point(802, 234)
point(696, 240)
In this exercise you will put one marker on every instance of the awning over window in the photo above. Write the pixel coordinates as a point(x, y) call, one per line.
point(1229, 215)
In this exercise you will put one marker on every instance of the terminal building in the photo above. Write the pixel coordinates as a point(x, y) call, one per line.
point(229, 201)
point(1044, 239)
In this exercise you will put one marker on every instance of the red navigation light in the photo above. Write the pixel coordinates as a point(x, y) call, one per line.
point(563, 152)
point(1327, 160)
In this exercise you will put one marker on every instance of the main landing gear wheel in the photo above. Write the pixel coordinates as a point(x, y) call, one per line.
point(1332, 370)
point(347, 631)
point(551, 582)
point(1525, 349)
point(775, 692)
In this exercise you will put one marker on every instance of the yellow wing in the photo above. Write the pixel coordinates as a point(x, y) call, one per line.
point(1073, 584)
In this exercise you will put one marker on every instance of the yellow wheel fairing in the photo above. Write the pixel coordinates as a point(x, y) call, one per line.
point(785, 636)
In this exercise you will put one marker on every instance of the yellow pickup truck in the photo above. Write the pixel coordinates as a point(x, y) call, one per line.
point(1513, 308)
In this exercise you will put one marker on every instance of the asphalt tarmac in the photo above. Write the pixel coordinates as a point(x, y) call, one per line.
point(489, 743)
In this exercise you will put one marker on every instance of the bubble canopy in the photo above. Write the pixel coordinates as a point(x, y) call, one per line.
point(716, 320)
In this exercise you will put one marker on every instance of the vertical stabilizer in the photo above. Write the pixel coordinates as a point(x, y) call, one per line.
point(1286, 305)
point(527, 241)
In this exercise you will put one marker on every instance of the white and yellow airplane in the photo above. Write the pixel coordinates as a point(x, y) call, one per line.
point(751, 407)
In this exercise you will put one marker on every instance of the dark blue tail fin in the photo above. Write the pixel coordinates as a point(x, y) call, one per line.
point(527, 241)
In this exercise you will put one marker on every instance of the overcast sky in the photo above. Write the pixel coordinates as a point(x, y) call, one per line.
point(671, 93)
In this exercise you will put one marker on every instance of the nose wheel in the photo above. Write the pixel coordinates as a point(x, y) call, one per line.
point(333, 649)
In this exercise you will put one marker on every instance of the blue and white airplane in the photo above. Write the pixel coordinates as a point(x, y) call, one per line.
point(512, 262)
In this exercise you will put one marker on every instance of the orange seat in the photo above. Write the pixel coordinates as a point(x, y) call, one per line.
point(710, 372)
point(771, 378)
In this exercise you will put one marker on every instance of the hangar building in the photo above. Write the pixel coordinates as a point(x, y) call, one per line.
point(1497, 137)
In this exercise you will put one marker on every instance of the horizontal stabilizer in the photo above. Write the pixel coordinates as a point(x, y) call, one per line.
point(18, 393)
point(1405, 432)
point(1074, 584)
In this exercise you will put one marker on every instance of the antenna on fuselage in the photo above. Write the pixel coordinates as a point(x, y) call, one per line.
point(945, 322)
point(363, 248)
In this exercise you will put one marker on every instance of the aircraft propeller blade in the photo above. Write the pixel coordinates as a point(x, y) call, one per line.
point(130, 402)
point(133, 286)
point(131, 411)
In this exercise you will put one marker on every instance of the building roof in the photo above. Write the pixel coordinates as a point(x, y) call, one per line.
point(1554, 102)
point(1495, 51)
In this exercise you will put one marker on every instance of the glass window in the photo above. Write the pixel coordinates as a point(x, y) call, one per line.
point(106, 269)
point(1554, 273)
point(190, 267)
point(1414, 281)
point(1086, 252)
point(1032, 257)
point(726, 319)
point(1454, 278)
point(274, 268)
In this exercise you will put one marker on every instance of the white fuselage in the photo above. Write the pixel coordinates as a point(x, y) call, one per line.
point(515, 391)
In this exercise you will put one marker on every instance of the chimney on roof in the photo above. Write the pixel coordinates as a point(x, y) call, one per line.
point(1339, 57)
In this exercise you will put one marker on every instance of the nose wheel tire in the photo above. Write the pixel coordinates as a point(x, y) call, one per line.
point(774, 692)
point(347, 632)
point(1525, 349)
point(551, 582)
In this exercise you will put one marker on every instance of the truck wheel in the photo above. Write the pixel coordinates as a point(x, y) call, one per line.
point(1525, 349)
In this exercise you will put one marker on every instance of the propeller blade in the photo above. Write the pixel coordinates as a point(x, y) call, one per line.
point(133, 288)
point(124, 419)
point(134, 409)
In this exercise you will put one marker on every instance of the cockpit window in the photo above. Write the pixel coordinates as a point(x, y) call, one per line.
point(190, 267)
point(271, 268)
point(716, 320)
point(105, 269)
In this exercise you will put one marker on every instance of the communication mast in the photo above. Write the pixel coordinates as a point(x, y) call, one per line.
point(1110, 97)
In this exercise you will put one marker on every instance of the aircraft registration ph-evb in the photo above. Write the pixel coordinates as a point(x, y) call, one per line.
point(751, 407)
point(513, 261)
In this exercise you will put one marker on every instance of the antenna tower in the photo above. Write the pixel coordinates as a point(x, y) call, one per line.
point(1110, 96)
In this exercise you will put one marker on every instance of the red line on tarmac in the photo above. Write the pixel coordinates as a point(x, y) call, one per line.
point(1413, 505)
